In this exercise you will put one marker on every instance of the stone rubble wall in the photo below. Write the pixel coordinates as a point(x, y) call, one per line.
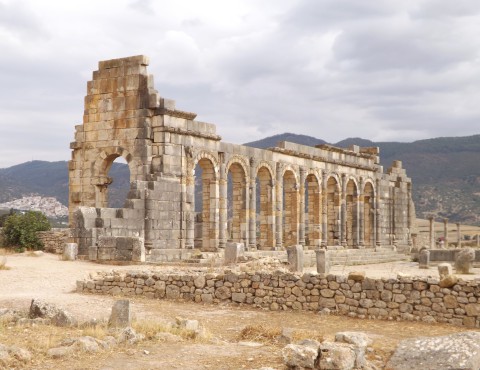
point(402, 298)
point(54, 240)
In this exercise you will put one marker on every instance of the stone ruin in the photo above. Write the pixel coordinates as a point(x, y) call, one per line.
point(311, 196)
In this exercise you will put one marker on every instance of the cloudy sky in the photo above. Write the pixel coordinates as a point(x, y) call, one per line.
point(385, 70)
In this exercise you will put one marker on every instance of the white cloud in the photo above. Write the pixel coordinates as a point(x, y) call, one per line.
point(390, 70)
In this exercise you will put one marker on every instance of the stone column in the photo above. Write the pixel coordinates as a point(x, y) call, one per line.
point(222, 205)
point(445, 232)
point(478, 240)
point(301, 231)
point(279, 207)
point(459, 236)
point(324, 210)
point(190, 216)
point(253, 206)
point(411, 213)
point(343, 212)
point(378, 214)
point(432, 231)
point(361, 214)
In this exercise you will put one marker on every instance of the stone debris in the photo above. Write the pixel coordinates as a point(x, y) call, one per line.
point(286, 336)
point(191, 326)
point(302, 355)
point(424, 259)
point(87, 344)
point(448, 281)
point(464, 261)
point(120, 316)
point(456, 351)
point(359, 340)
point(57, 316)
point(295, 258)
point(70, 252)
point(444, 269)
point(347, 353)
point(130, 336)
point(339, 356)
point(9, 354)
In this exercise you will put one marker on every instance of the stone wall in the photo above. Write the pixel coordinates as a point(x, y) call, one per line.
point(54, 240)
point(402, 298)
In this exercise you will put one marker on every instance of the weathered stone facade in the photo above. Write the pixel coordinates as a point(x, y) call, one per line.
point(312, 196)
point(406, 298)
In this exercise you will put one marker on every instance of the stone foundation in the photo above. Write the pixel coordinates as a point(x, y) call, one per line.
point(400, 299)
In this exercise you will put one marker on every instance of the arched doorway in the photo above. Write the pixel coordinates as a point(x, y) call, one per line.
point(206, 205)
point(237, 204)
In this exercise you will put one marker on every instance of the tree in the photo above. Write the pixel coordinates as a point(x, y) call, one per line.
point(20, 230)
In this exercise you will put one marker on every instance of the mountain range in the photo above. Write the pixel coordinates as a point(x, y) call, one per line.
point(445, 173)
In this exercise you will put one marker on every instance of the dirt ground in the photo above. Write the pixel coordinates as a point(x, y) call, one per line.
point(53, 280)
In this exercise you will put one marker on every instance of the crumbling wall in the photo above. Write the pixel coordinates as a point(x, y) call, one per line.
point(54, 240)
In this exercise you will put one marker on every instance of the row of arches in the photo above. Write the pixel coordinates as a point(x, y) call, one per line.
point(267, 209)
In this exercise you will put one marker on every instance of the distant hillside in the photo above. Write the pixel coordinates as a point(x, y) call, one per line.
point(50, 179)
point(445, 174)
point(272, 141)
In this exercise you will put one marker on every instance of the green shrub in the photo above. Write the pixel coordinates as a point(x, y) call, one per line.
point(20, 229)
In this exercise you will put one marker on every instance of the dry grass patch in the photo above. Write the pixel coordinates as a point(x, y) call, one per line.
point(271, 335)
point(151, 328)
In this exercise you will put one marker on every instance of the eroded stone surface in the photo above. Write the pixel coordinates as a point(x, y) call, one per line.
point(456, 351)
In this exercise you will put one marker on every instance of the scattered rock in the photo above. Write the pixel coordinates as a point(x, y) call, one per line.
point(359, 340)
point(38, 253)
point(120, 316)
point(356, 275)
point(57, 316)
point(448, 281)
point(464, 261)
point(338, 356)
point(455, 351)
point(128, 335)
point(301, 355)
point(60, 352)
point(286, 336)
point(444, 269)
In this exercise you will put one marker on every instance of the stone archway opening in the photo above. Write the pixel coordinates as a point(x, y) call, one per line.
point(368, 215)
point(333, 212)
point(112, 182)
point(290, 209)
point(351, 214)
point(120, 186)
point(205, 205)
point(312, 212)
point(264, 209)
point(237, 204)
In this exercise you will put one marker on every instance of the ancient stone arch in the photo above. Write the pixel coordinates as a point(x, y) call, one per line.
point(288, 194)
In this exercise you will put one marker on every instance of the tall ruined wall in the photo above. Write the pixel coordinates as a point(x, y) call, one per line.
point(313, 196)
